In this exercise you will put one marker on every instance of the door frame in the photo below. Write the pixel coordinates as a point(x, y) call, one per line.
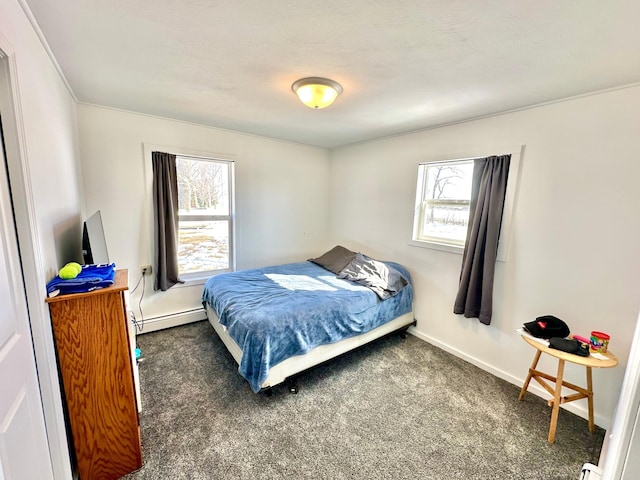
point(621, 433)
point(33, 267)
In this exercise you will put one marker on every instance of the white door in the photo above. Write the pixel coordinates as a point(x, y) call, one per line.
point(24, 451)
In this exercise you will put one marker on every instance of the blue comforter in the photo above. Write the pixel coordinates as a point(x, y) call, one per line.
point(274, 313)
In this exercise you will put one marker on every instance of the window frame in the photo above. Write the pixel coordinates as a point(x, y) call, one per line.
point(422, 203)
point(213, 218)
point(198, 278)
point(506, 231)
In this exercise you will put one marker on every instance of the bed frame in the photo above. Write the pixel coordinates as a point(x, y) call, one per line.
point(292, 366)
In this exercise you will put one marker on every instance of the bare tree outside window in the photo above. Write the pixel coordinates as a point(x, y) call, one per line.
point(204, 215)
point(444, 191)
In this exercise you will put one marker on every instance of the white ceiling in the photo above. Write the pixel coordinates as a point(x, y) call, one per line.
point(404, 64)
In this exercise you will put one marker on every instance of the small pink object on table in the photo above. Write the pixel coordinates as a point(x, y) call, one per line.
point(582, 339)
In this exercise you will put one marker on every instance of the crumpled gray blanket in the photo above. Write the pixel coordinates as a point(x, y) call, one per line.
point(383, 279)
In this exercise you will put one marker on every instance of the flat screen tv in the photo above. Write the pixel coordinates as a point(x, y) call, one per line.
point(94, 247)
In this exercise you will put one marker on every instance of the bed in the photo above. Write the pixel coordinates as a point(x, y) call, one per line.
point(280, 320)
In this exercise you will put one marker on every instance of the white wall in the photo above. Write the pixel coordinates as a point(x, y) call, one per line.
point(282, 195)
point(46, 193)
point(49, 116)
point(574, 251)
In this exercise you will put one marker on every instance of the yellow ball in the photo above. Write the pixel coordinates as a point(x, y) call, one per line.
point(76, 266)
point(68, 272)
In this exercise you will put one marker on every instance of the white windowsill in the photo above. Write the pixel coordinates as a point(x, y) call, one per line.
point(191, 282)
point(198, 279)
point(459, 250)
point(443, 247)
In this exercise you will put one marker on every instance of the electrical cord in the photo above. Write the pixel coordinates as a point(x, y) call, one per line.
point(139, 324)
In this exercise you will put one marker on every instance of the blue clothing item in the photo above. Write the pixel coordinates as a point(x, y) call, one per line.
point(91, 277)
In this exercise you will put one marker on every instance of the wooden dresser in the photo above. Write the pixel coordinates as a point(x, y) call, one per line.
point(92, 340)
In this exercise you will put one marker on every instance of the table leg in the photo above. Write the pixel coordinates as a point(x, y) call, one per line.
point(590, 400)
point(529, 375)
point(556, 402)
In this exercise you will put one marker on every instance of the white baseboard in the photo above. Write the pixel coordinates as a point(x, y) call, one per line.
point(573, 407)
point(172, 320)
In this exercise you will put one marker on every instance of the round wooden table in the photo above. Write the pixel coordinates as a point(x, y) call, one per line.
point(557, 382)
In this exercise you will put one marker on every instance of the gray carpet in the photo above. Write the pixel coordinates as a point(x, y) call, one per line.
point(397, 409)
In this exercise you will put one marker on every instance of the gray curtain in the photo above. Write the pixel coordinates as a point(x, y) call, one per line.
point(475, 293)
point(165, 220)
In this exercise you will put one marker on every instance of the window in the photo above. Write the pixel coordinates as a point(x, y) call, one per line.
point(205, 216)
point(443, 193)
point(442, 202)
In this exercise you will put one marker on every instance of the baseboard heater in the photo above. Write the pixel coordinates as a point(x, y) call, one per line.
point(171, 320)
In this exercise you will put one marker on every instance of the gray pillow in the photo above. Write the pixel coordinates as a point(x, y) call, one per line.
point(383, 279)
point(335, 259)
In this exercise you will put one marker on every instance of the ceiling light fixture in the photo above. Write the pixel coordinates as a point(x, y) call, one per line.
point(316, 92)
